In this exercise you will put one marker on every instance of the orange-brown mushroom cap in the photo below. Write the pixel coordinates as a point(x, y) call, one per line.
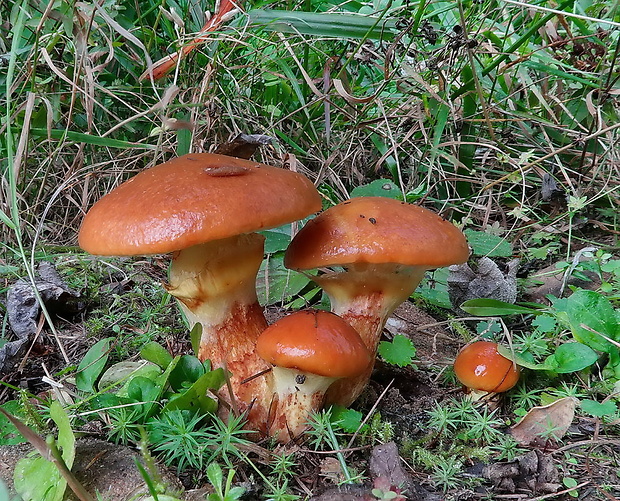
point(314, 341)
point(193, 199)
point(377, 230)
point(479, 366)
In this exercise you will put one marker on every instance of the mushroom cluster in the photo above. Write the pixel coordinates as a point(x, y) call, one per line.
point(205, 209)
point(372, 253)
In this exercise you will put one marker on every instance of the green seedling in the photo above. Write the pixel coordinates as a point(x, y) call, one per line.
point(92, 365)
point(160, 386)
point(400, 351)
point(571, 483)
point(599, 409)
point(223, 491)
point(45, 477)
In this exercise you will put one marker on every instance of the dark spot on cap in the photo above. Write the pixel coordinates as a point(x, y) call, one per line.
point(372, 220)
point(362, 216)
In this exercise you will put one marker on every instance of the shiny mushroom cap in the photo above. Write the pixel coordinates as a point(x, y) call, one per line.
point(314, 341)
point(377, 230)
point(193, 199)
point(479, 366)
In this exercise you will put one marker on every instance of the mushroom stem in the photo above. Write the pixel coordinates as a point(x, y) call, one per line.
point(297, 394)
point(365, 295)
point(308, 350)
point(214, 283)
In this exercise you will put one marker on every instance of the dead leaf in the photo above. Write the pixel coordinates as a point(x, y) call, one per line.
point(534, 471)
point(23, 310)
point(385, 463)
point(486, 281)
point(548, 422)
point(331, 469)
point(243, 146)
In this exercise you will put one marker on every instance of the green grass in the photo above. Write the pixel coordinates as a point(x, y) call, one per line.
point(500, 115)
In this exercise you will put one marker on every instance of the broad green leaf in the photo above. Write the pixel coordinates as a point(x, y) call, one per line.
point(485, 244)
point(544, 323)
point(4, 492)
point(275, 283)
point(322, 24)
point(124, 372)
point(347, 419)
point(80, 137)
point(195, 397)
point(187, 371)
point(151, 391)
point(92, 365)
point(524, 359)
point(215, 475)
point(36, 478)
point(66, 438)
point(435, 296)
point(573, 357)
point(589, 316)
point(8, 433)
point(378, 188)
point(275, 241)
point(400, 351)
point(485, 307)
point(142, 389)
point(434, 289)
point(156, 353)
point(195, 335)
point(599, 409)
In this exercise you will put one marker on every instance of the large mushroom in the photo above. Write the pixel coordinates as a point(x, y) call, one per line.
point(372, 253)
point(309, 350)
point(205, 209)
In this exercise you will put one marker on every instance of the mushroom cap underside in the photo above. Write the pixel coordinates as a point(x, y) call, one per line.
point(193, 199)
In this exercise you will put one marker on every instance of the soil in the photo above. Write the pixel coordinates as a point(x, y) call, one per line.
point(403, 396)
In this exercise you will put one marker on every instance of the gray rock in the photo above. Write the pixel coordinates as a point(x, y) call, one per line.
point(100, 466)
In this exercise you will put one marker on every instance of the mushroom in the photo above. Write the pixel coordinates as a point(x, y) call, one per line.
point(309, 350)
point(382, 248)
point(205, 209)
point(481, 368)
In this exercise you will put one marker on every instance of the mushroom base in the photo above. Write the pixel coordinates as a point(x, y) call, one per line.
point(365, 295)
point(215, 286)
point(296, 395)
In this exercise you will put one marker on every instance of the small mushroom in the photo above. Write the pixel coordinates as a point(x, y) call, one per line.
point(373, 252)
point(308, 350)
point(481, 368)
point(205, 209)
